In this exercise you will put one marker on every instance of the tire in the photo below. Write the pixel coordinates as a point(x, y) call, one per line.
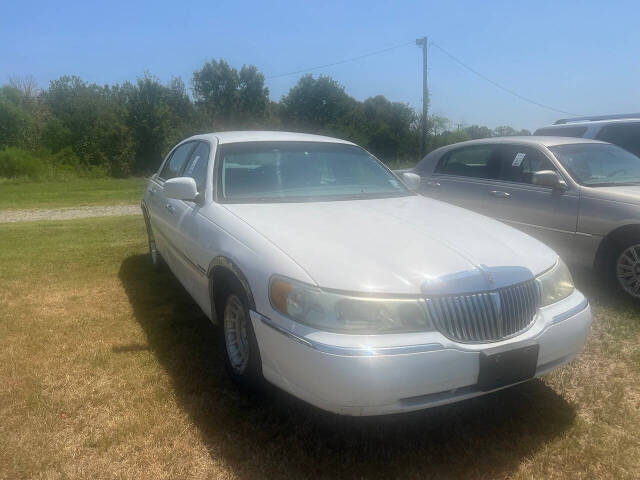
point(239, 345)
point(156, 259)
point(625, 266)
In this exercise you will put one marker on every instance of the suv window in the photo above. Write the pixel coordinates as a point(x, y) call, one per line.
point(173, 165)
point(196, 167)
point(482, 161)
point(561, 132)
point(625, 135)
point(519, 163)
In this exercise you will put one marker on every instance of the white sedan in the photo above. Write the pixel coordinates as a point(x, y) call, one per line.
point(334, 281)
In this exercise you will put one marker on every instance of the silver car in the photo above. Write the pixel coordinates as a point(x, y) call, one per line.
point(580, 196)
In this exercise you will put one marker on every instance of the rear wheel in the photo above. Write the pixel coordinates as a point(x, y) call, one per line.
point(627, 266)
point(241, 354)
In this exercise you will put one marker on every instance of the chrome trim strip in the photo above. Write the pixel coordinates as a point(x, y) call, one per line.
point(350, 351)
point(524, 224)
point(571, 312)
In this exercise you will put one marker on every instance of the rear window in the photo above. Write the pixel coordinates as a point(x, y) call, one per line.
point(482, 161)
point(561, 132)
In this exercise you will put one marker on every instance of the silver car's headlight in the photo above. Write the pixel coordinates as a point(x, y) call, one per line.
point(555, 284)
point(347, 313)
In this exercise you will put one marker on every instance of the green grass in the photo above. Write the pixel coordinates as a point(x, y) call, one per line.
point(73, 193)
point(109, 370)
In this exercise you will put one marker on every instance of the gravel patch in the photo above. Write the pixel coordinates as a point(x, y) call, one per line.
point(10, 216)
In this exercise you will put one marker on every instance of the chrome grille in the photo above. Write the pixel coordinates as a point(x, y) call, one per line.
point(485, 316)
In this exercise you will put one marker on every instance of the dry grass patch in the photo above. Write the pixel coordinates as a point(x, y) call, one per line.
point(109, 370)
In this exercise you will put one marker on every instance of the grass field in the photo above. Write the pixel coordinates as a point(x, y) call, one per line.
point(72, 193)
point(108, 370)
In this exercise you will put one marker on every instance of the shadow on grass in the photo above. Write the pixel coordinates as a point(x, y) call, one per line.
point(274, 435)
point(601, 290)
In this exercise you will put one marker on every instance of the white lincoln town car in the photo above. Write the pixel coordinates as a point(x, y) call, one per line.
point(334, 281)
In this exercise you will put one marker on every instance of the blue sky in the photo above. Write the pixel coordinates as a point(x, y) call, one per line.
point(578, 56)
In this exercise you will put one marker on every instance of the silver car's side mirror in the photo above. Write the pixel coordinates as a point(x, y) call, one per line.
point(181, 188)
point(549, 178)
point(411, 180)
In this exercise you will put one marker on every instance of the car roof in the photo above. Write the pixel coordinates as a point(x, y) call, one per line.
point(583, 123)
point(531, 140)
point(265, 136)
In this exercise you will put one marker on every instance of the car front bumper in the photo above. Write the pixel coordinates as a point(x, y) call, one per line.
point(381, 374)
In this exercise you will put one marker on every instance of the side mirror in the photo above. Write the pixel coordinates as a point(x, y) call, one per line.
point(549, 178)
point(181, 188)
point(411, 180)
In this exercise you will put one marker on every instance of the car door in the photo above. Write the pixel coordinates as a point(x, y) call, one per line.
point(162, 210)
point(464, 175)
point(549, 214)
point(185, 227)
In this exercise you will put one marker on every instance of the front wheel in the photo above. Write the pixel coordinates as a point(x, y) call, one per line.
point(627, 266)
point(241, 354)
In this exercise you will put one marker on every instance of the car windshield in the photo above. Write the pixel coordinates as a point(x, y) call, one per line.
point(302, 171)
point(598, 165)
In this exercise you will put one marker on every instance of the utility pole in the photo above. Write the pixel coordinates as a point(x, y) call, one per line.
point(423, 43)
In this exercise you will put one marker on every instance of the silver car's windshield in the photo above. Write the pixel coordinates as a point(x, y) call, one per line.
point(598, 165)
point(301, 171)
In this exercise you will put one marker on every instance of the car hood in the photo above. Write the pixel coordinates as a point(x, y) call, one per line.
point(620, 193)
point(406, 245)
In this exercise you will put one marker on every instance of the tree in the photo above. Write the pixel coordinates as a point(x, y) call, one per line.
point(158, 117)
point(228, 98)
point(15, 122)
point(391, 128)
point(477, 131)
point(253, 96)
point(127, 128)
point(93, 120)
point(318, 105)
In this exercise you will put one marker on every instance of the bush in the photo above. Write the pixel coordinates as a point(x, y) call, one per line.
point(20, 164)
point(17, 163)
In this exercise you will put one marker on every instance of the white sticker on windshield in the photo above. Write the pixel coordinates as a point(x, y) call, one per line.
point(518, 159)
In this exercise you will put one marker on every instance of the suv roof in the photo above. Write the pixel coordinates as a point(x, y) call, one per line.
point(597, 118)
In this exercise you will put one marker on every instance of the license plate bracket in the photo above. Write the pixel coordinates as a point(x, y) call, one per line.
point(502, 367)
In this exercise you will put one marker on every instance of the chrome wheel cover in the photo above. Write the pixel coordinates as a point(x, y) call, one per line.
point(236, 338)
point(628, 270)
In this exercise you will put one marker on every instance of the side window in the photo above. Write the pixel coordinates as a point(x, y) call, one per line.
point(520, 163)
point(174, 165)
point(482, 161)
point(197, 166)
point(625, 135)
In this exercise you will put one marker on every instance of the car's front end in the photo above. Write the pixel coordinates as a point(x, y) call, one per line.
point(379, 355)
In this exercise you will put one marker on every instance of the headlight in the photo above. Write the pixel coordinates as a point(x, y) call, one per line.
point(555, 284)
point(347, 313)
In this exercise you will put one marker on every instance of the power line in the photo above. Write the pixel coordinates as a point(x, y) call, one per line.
point(353, 59)
point(496, 84)
point(447, 53)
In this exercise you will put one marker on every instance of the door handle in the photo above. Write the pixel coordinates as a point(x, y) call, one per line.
point(432, 183)
point(171, 208)
point(499, 194)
